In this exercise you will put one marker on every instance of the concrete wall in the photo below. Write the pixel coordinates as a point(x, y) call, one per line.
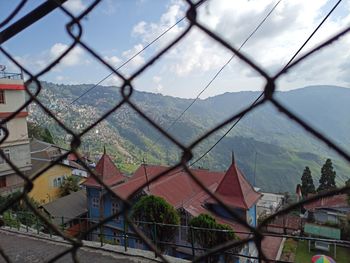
point(14, 99)
point(20, 156)
point(18, 132)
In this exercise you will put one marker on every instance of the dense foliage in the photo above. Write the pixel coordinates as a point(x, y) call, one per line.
point(206, 236)
point(327, 180)
point(307, 183)
point(208, 233)
point(154, 209)
point(282, 147)
point(19, 212)
point(40, 133)
point(347, 183)
point(69, 185)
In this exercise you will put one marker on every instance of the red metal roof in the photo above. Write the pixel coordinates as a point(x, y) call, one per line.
point(11, 86)
point(335, 201)
point(176, 187)
point(235, 190)
point(270, 246)
point(179, 189)
point(21, 114)
point(107, 171)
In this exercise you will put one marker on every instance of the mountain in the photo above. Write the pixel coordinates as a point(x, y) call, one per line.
point(266, 143)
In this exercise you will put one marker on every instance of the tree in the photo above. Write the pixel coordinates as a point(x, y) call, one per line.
point(34, 130)
point(307, 183)
point(69, 185)
point(210, 233)
point(347, 183)
point(327, 180)
point(156, 210)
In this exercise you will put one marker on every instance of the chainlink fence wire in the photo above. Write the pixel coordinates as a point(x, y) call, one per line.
point(74, 29)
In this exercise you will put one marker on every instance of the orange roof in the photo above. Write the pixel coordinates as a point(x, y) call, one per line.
point(107, 171)
point(235, 190)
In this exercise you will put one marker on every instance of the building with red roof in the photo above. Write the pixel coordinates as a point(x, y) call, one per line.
point(332, 209)
point(99, 204)
point(107, 172)
point(179, 189)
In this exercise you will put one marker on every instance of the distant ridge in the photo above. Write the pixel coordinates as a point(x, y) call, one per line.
point(283, 149)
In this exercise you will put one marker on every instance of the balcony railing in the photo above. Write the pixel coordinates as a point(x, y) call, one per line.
point(9, 75)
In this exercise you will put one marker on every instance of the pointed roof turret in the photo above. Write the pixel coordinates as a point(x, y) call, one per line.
point(235, 190)
point(107, 171)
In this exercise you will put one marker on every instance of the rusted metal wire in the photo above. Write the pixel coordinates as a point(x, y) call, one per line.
point(75, 31)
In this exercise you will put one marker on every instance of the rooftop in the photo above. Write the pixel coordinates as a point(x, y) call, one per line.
point(107, 172)
point(336, 201)
point(67, 208)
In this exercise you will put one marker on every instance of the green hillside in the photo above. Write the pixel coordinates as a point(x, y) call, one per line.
point(282, 148)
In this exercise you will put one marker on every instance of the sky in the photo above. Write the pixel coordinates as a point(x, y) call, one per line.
point(117, 29)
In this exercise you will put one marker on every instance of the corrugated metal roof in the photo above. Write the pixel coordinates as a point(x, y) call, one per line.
point(69, 207)
point(329, 202)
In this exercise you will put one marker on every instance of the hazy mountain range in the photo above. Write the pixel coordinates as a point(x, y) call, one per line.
point(269, 148)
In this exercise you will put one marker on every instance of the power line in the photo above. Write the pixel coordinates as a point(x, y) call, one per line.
point(218, 73)
point(127, 61)
point(259, 97)
point(123, 64)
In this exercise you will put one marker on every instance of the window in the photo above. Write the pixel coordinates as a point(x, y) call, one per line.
point(2, 181)
point(116, 240)
point(96, 202)
point(2, 97)
point(115, 209)
point(7, 154)
point(55, 182)
point(59, 181)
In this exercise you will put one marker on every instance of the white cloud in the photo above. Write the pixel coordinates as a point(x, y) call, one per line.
point(110, 7)
point(113, 60)
point(73, 58)
point(75, 6)
point(139, 59)
point(113, 81)
point(271, 47)
point(60, 78)
point(157, 81)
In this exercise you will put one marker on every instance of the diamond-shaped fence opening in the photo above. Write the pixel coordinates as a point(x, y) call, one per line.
point(144, 234)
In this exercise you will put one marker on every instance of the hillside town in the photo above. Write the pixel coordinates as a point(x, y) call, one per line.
point(207, 131)
point(70, 191)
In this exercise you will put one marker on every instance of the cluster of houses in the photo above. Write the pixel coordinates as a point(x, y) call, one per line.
point(80, 210)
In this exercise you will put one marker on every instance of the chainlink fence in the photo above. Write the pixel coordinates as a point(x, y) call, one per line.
point(75, 30)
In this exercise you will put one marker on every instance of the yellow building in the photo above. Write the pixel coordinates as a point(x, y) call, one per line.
point(47, 184)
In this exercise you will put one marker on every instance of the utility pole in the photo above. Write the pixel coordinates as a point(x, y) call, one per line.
point(145, 170)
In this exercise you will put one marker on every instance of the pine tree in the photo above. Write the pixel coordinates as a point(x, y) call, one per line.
point(347, 183)
point(327, 180)
point(307, 183)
